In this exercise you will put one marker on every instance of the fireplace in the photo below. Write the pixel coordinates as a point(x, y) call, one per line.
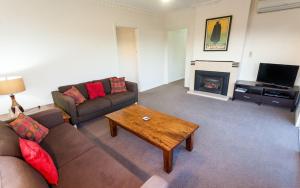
point(220, 78)
point(212, 82)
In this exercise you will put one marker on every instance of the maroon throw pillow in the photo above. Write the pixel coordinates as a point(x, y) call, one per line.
point(75, 94)
point(28, 128)
point(117, 85)
point(39, 159)
point(95, 89)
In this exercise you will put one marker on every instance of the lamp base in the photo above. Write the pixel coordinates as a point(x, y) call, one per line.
point(15, 106)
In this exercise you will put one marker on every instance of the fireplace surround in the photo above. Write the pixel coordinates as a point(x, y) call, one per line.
point(211, 85)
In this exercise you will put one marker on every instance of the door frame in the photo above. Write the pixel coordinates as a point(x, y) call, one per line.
point(137, 40)
point(166, 77)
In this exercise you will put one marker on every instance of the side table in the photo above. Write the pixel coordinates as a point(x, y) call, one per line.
point(8, 117)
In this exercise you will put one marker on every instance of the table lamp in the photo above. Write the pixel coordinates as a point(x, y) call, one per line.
point(10, 86)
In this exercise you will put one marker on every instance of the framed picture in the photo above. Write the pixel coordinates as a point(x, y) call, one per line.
point(217, 32)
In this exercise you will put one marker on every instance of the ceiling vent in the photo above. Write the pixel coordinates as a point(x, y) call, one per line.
point(264, 6)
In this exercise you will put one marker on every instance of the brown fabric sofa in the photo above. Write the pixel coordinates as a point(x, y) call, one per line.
point(80, 163)
point(94, 108)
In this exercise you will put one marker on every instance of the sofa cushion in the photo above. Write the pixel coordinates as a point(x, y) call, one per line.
point(120, 98)
point(15, 173)
point(9, 143)
point(95, 105)
point(39, 159)
point(95, 89)
point(80, 87)
point(49, 118)
point(106, 85)
point(75, 94)
point(64, 143)
point(97, 170)
point(28, 128)
point(117, 85)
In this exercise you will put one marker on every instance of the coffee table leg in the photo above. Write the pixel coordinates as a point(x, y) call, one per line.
point(190, 142)
point(168, 161)
point(113, 128)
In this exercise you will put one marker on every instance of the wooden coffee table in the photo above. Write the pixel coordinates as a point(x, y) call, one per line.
point(164, 131)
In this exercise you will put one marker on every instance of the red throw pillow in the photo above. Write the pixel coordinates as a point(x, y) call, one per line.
point(75, 94)
point(28, 128)
point(39, 159)
point(117, 85)
point(95, 89)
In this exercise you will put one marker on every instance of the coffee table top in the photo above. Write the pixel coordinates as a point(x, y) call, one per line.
point(162, 130)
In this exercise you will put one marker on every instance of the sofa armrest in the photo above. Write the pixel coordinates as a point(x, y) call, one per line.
point(66, 103)
point(133, 87)
point(49, 118)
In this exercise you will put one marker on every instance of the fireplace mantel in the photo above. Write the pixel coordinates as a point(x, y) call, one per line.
point(215, 66)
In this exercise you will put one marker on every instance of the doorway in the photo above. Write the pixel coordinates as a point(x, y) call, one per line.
point(176, 54)
point(127, 53)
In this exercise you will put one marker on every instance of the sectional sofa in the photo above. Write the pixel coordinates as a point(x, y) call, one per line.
point(80, 163)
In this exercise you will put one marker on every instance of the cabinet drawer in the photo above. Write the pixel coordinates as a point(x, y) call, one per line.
point(278, 101)
point(247, 97)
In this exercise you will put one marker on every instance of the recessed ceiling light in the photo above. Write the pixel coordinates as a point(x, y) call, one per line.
point(166, 1)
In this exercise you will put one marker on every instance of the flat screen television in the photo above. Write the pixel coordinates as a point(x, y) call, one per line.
point(277, 74)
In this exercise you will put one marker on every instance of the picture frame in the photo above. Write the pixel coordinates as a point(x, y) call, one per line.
point(217, 33)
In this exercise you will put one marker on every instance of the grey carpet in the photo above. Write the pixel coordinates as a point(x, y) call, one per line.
point(239, 144)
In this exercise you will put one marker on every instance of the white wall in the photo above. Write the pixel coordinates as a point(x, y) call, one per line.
point(272, 38)
point(55, 42)
point(240, 12)
point(176, 54)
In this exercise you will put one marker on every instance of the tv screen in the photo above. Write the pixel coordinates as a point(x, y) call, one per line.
point(284, 75)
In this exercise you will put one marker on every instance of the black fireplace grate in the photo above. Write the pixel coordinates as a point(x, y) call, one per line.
point(211, 81)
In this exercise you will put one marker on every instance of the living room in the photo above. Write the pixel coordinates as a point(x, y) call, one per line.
point(159, 46)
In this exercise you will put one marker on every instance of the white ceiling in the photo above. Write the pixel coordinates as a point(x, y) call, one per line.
point(159, 5)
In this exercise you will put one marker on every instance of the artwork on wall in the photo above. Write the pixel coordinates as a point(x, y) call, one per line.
point(217, 32)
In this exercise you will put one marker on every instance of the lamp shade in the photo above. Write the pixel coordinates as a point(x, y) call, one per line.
point(11, 85)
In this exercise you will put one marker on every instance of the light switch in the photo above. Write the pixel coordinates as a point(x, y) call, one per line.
point(250, 54)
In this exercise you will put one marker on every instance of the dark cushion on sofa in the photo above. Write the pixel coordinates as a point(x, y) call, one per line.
point(96, 169)
point(49, 118)
point(80, 87)
point(15, 173)
point(9, 143)
point(106, 85)
point(120, 98)
point(64, 143)
point(92, 106)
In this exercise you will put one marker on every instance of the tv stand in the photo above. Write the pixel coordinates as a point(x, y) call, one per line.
point(271, 85)
point(269, 94)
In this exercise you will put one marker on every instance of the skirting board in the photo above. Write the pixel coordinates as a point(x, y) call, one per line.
point(209, 95)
